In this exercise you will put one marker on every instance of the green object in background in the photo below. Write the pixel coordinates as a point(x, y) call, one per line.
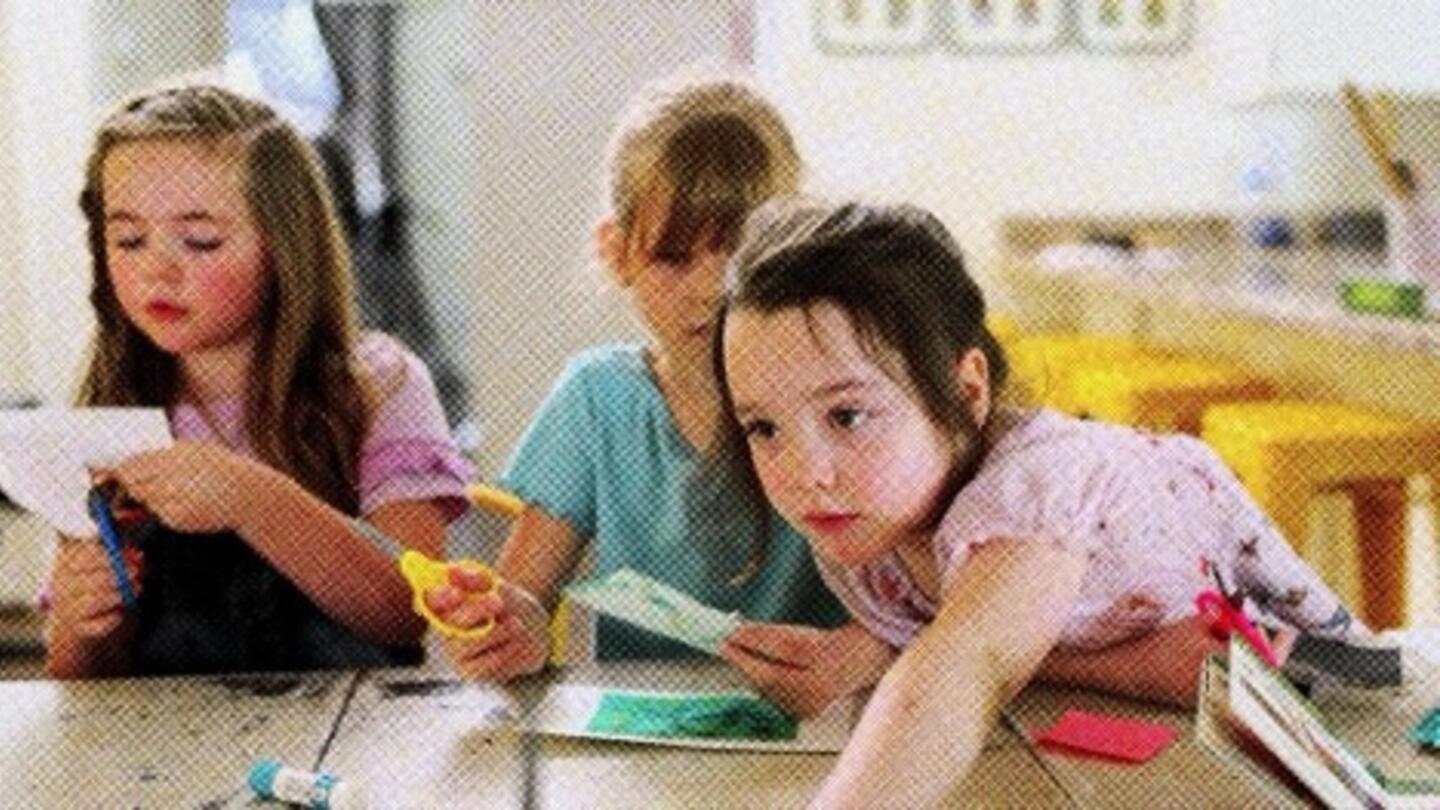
point(722, 717)
point(1427, 731)
point(1383, 298)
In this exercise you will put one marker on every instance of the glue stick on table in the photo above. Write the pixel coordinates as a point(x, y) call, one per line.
point(316, 791)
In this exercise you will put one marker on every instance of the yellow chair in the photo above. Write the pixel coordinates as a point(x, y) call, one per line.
point(1120, 379)
point(1002, 327)
point(1166, 394)
point(1288, 452)
point(1041, 361)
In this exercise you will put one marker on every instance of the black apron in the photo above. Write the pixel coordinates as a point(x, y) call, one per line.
point(211, 604)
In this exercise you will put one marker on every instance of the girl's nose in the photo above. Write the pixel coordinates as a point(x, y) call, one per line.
point(164, 265)
point(812, 463)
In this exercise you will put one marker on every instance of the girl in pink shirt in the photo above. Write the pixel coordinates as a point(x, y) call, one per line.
point(990, 543)
point(222, 293)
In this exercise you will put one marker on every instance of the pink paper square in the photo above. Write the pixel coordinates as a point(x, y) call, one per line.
point(1114, 738)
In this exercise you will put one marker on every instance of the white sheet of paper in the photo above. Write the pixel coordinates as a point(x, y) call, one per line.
point(566, 709)
point(46, 453)
point(645, 602)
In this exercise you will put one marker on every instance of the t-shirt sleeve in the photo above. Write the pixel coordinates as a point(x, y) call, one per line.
point(554, 464)
point(1043, 496)
point(408, 453)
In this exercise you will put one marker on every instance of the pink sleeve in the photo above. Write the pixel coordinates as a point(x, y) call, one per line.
point(408, 453)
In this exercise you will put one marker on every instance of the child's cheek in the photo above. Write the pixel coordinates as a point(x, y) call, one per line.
point(127, 289)
point(234, 292)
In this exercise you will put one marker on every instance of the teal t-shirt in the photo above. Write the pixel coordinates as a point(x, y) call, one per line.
point(604, 455)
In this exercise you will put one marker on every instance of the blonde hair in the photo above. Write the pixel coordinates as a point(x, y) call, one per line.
point(308, 410)
point(709, 141)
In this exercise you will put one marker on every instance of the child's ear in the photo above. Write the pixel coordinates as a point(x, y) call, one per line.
point(972, 373)
point(610, 247)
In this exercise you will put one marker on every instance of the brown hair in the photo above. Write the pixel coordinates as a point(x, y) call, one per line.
point(308, 408)
point(712, 143)
point(899, 277)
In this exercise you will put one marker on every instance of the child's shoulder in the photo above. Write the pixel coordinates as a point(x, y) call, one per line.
point(610, 368)
point(1038, 436)
point(389, 370)
point(384, 358)
point(1043, 451)
point(1043, 454)
point(1044, 475)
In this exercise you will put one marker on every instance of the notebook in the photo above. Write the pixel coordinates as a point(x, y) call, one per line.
point(1353, 748)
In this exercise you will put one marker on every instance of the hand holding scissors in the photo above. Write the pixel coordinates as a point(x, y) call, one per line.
point(425, 573)
point(1223, 610)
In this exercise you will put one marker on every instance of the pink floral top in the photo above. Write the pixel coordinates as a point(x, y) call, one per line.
point(408, 453)
point(1145, 509)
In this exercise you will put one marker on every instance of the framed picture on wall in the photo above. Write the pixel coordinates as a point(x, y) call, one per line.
point(1133, 25)
point(1013, 26)
point(872, 26)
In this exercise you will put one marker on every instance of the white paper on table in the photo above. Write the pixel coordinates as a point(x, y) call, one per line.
point(566, 709)
point(46, 455)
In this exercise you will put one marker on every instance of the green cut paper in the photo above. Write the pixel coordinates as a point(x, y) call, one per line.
point(715, 717)
point(1427, 732)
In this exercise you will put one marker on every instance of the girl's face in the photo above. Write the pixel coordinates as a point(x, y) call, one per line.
point(844, 452)
point(677, 295)
point(181, 248)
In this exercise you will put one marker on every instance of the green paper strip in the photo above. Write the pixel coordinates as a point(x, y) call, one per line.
point(1427, 731)
point(721, 717)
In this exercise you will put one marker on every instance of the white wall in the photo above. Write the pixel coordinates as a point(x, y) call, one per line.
point(505, 109)
point(1067, 131)
point(138, 42)
point(14, 345)
point(45, 60)
point(60, 65)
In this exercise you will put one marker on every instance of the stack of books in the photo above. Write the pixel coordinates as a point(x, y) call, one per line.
point(1360, 738)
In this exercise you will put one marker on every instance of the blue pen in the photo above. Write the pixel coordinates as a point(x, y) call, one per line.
point(110, 539)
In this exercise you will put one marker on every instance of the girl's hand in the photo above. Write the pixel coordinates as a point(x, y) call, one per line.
point(518, 644)
point(192, 486)
point(805, 669)
point(84, 598)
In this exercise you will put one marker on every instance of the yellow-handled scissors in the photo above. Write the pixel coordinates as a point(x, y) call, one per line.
point(424, 573)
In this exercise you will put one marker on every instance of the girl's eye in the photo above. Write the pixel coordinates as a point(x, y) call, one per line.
point(674, 265)
point(128, 242)
point(849, 418)
point(758, 429)
point(203, 245)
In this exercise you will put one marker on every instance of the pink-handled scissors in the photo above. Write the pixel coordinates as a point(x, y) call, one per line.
point(1223, 611)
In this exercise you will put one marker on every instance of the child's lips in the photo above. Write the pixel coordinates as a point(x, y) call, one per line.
point(830, 522)
point(165, 311)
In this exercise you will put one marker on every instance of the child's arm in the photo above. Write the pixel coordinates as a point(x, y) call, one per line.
point(1163, 665)
point(539, 551)
point(348, 577)
point(805, 669)
point(195, 487)
point(86, 630)
point(928, 719)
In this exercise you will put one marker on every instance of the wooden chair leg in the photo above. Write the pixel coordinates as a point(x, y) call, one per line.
point(1382, 551)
